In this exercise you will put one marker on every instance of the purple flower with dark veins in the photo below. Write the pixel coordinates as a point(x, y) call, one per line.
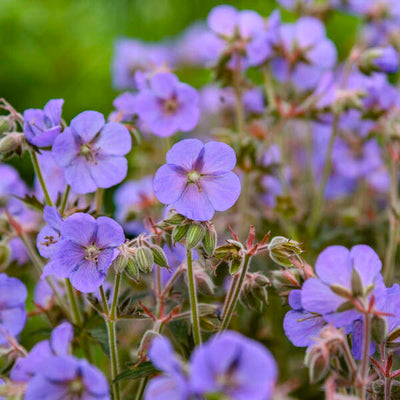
point(67, 377)
point(198, 179)
point(92, 152)
point(301, 326)
point(343, 275)
point(86, 250)
point(13, 294)
point(235, 366)
point(167, 105)
point(41, 127)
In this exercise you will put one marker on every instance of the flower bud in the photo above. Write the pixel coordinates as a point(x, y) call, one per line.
point(4, 253)
point(124, 256)
point(174, 218)
point(179, 232)
point(159, 256)
point(146, 342)
point(10, 143)
point(379, 328)
point(379, 59)
point(318, 364)
point(282, 250)
point(194, 235)
point(143, 258)
point(210, 240)
point(204, 283)
point(286, 279)
point(5, 124)
point(132, 270)
point(254, 292)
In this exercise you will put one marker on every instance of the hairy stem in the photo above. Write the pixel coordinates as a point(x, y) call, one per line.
point(365, 358)
point(232, 305)
point(76, 315)
point(193, 299)
point(39, 175)
point(393, 220)
point(65, 199)
point(269, 88)
point(316, 211)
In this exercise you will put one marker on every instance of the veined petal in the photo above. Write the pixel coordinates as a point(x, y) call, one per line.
point(218, 157)
point(185, 153)
point(80, 228)
point(168, 184)
point(108, 171)
point(77, 175)
point(87, 125)
point(114, 139)
point(87, 278)
point(109, 233)
point(65, 149)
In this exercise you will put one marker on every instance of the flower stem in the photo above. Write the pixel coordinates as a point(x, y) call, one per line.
point(65, 199)
point(228, 298)
point(393, 220)
point(141, 388)
point(111, 321)
point(39, 175)
point(317, 206)
point(99, 200)
point(77, 318)
point(365, 357)
point(193, 299)
point(238, 288)
point(269, 88)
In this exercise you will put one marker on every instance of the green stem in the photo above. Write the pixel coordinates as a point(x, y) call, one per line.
point(65, 199)
point(232, 305)
point(229, 296)
point(141, 388)
point(269, 88)
point(365, 358)
point(76, 315)
point(39, 175)
point(394, 225)
point(111, 321)
point(193, 299)
point(99, 200)
point(317, 206)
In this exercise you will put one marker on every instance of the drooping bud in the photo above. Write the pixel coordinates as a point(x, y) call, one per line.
point(146, 342)
point(254, 292)
point(132, 270)
point(174, 218)
point(379, 328)
point(232, 253)
point(144, 259)
point(159, 256)
point(195, 235)
point(5, 124)
point(210, 240)
point(10, 143)
point(125, 255)
point(282, 250)
point(286, 279)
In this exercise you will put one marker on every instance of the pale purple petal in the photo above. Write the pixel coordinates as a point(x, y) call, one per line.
point(77, 175)
point(366, 262)
point(86, 278)
point(65, 148)
point(108, 171)
point(168, 184)
point(114, 139)
point(109, 233)
point(163, 84)
point(218, 157)
point(223, 20)
point(81, 228)
point(185, 153)
point(87, 125)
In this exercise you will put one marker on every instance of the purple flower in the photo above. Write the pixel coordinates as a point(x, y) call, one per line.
point(68, 377)
point(234, 366)
point(386, 60)
point(12, 307)
point(306, 53)
point(41, 127)
point(168, 105)
point(337, 267)
point(134, 201)
point(36, 361)
point(43, 295)
point(86, 250)
point(92, 152)
point(125, 108)
point(18, 251)
point(49, 235)
point(197, 179)
point(300, 326)
point(173, 383)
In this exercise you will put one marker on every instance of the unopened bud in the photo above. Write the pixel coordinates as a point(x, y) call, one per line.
point(195, 235)
point(10, 142)
point(175, 218)
point(235, 265)
point(144, 259)
point(379, 329)
point(5, 124)
point(132, 270)
point(379, 59)
point(146, 342)
point(159, 256)
point(179, 232)
point(318, 364)
point(254, 292)
point(210, 240)
point(282, 250)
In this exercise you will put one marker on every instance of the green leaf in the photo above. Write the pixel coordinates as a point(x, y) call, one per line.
point(32, 202)
point(143, 370)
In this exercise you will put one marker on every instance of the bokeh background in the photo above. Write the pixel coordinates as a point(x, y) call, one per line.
point(64, 49)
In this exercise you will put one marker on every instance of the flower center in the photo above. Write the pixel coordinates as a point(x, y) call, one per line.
point(193, 177)
point(89, 152)
point(92, 253)
point(76, 388)
point(170, 106)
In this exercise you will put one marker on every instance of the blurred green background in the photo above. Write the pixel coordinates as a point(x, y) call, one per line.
point(63, 48)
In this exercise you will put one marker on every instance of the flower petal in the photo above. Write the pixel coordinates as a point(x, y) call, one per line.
point(218, 157)
point(222, 190)
point(65, 148)
point(185, 153)
point(168, 184)
point(366, 262)
point(194, 204)
point(87, 278)
point(77, 175)
point(80, 228)
point(163, 84)
point(87, 125)
point(114, 139)
point(109, 233)
point(108, 170)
